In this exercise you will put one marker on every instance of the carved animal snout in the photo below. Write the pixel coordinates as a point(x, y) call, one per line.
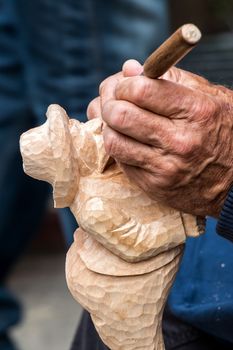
point(47, 153)
point(37, 154)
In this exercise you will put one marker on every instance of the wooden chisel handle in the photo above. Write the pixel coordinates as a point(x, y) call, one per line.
point(167, 55)
point(172, 51)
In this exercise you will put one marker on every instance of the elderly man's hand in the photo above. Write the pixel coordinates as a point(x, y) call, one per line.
point(172, 136)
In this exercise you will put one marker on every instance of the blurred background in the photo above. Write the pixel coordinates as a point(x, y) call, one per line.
point(58, 51)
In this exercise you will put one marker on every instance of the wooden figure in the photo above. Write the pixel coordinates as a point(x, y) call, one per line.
point(125, 256)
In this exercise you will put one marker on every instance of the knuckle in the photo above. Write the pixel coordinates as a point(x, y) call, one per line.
point(119, 115)
point(210, 107)
point(108, 111)
point(115, 114)
point(170, 169)
point(169, 175)
point(108, 106)
point(185, 145)
point(204, 109)
point(141, 90)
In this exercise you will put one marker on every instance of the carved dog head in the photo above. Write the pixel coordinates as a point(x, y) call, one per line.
point(57, 152)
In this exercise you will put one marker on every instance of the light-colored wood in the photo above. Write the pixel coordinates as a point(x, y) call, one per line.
point(172, 50)
point(48, 155)
point(126, 310)
point(122, 267)
point(96, 258)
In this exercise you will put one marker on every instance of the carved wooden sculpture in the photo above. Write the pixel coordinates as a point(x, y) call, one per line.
point(124, 259)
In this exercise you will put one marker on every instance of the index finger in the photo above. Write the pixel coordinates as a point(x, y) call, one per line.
point(160, 96)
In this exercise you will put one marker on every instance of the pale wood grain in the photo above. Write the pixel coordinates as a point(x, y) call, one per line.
point(122, 267)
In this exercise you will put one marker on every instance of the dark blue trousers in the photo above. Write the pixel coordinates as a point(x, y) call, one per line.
point(177, 336)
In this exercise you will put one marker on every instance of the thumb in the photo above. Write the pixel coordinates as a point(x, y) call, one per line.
point(132, 68)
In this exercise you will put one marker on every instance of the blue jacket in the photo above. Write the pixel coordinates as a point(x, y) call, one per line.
point(203, 291)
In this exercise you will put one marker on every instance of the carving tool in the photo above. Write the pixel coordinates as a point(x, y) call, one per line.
point(167, 55)
point(172, 51)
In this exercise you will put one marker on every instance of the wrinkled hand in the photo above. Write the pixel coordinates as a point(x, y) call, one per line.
point(172, 136)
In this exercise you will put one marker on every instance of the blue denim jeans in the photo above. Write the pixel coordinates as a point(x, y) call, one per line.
point(55, 51)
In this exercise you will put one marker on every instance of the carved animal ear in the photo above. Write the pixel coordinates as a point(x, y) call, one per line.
point(84, 146)
point(66, 170)
point(103, 159)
